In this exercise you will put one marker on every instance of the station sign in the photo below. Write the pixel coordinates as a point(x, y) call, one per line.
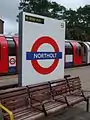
point(42, 41)
point(12, 61)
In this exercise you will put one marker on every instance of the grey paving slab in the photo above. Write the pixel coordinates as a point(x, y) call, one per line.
point(77, 112)
point(83, 73)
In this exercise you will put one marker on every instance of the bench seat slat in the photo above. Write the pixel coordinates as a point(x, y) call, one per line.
point(16, 100)
point(74, 99)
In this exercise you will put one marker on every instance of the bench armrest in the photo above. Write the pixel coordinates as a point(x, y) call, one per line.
point(8, 111)
point(66, 100)
point(83, 95)
point(41, 104)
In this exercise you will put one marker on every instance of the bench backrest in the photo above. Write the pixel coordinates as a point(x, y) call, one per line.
point(74, 84)
point(14, 98)
point(59, 87)
point(39, 92)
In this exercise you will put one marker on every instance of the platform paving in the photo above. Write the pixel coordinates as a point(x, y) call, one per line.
point(83, 73)
point(77, 112)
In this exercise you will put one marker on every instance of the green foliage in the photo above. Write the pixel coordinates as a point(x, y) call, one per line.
point(77, 22)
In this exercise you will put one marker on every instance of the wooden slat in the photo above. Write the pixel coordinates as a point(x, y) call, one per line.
point(75, 85)
point(17, 101)
point(42, 94)
point(60, 88)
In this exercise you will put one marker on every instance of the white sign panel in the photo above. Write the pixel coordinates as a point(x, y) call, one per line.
point(42, 49)
point(12, 61)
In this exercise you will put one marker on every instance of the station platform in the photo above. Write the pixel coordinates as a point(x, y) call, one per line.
point(8, 81)
point(77, 112)
point(82, 72)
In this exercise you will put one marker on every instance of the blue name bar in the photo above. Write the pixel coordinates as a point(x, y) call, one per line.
point(43, 55)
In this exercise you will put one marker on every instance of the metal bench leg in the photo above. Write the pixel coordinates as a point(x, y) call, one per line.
point(66, 101)
point(87, 104)
point(45, 113)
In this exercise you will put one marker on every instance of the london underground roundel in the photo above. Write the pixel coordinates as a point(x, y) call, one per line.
point(12, 61)
point(34, 56)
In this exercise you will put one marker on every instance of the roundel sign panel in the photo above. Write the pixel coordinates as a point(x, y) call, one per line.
point(42, 49)
point(34, 56)
point(12, 61)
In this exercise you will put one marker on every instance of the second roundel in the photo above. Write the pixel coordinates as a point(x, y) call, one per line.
point(12, 61)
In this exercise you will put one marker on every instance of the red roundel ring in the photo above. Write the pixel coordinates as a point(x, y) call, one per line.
point(35, 47)
point(12, 61)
